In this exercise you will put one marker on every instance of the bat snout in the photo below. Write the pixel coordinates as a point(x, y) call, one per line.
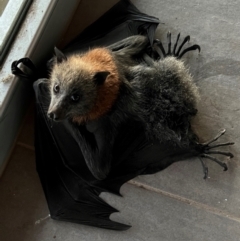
point(56, 115)
point(53, 116)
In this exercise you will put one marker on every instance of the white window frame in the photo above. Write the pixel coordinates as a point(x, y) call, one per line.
point(42, 28)
point(10, 21)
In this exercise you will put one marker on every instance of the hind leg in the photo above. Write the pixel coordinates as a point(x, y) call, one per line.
point(208, 149)
point(133, 45)
point(129, 50)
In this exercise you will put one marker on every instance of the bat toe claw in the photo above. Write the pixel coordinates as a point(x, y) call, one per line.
point(158, 47)
point(207, 151)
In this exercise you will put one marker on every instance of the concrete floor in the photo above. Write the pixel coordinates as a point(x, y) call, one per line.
point(175, 204)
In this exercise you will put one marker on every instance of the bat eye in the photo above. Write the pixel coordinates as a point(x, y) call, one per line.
point(56, 88)
point(75, 98)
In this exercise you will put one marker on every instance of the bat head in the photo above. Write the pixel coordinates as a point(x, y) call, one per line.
point(73, 87)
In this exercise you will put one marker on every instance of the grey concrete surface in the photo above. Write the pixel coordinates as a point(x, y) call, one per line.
point(175, 204)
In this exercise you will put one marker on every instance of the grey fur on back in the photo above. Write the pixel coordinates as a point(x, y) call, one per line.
point(160, 93)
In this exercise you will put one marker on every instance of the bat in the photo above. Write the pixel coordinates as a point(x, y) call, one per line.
point(78, 158)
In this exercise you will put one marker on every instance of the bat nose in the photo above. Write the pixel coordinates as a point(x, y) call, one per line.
point(54, 116)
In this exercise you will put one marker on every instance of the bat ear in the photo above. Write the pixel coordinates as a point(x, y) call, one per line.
point(59, 55)
point(100, 77)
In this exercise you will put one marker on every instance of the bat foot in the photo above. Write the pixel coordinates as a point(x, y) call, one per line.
point(207, 151)
point(159, 49)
